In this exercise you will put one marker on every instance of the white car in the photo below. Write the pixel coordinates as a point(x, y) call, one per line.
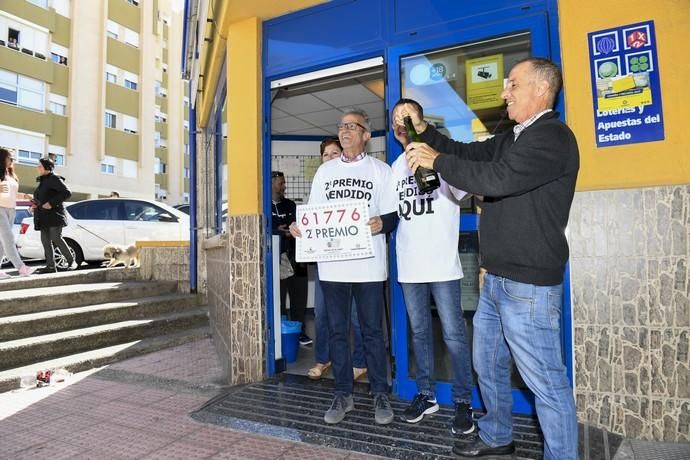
point(22, 213)
point(91, 224)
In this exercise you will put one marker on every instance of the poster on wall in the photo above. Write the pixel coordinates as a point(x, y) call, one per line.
point(625, 85)
point(484, 82)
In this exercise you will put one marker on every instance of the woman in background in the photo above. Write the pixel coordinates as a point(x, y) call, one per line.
point(49, 214)
point(9, 192)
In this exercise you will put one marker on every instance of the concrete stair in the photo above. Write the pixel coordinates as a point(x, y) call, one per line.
point(90, 318)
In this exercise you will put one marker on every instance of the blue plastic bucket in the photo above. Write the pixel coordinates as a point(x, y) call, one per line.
point(290, 332)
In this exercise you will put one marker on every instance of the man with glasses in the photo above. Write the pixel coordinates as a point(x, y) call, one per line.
point(294, 282)
point(357, 176)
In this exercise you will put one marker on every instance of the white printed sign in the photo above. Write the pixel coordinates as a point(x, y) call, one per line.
point(331, 231)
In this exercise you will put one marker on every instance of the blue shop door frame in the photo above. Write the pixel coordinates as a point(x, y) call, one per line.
point(537, 27)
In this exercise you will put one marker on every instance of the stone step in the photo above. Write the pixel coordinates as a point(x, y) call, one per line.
point(11, 379)
point(33, 300)
point(22, 352)
point(52, 321)
point(92, 275)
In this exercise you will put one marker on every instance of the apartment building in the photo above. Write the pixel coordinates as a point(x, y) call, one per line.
point(94, 85)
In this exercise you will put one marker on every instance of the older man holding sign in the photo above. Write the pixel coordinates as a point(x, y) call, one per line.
point(355, 264)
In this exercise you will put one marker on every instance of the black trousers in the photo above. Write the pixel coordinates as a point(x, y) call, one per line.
point(296, 287)
point(52, 237)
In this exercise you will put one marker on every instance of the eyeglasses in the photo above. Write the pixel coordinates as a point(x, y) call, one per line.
point(350, 126)
point(277, 174)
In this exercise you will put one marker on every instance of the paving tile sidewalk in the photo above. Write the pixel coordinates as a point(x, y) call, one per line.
point(137, 409)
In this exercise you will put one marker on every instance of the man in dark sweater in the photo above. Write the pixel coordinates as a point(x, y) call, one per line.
point(283, 212)
point(527, 178)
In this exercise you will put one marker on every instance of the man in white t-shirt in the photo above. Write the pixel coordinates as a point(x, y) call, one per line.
point(356, 176)
point(431, 269)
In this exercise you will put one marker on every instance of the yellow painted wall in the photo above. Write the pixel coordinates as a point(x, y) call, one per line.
point(634, 165)
point(244, 122)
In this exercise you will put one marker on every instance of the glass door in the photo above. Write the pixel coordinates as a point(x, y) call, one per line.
point(458, 81)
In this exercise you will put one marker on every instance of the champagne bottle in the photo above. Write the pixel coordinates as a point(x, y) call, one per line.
point(427, 179)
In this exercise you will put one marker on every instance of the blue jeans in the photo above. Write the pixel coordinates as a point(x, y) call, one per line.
point(321, 325)
point(523, 320)
point(369, 301)
point(447, 298)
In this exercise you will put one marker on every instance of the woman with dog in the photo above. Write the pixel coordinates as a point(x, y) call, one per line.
point(9, 192)
point(49, 214)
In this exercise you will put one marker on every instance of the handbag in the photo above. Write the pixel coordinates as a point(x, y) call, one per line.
point(286, 270)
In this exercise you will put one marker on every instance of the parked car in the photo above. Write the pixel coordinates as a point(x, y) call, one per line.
point(22, 213)
point(91, 224)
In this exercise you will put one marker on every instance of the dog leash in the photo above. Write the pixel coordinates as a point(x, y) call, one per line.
point(97, 236)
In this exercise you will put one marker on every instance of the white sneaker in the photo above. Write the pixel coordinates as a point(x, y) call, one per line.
point(25, 270)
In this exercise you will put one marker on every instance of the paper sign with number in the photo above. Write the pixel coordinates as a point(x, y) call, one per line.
point(331, 231)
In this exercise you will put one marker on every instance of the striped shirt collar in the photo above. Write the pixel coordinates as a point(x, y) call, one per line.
point(345, 159)
point(517, 129)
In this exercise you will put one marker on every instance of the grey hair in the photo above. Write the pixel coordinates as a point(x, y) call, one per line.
point(546, 70)
point(361, 113)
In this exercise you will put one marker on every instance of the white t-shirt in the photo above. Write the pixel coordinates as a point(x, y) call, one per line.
point(367, 179)
point(426, 243)
point(8, 192)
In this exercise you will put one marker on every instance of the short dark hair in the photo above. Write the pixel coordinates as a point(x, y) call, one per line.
point(412, 102)
point(47, 164)
point(328, 141)
point(275, 174)
point(546, 70)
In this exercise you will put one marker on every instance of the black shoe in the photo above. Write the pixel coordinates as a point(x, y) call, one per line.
point(43, 270)
point(478, 448)
point(420, 406)
point(462, 422)
point(304, 340)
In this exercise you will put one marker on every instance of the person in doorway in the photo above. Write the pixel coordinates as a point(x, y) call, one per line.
point(431, 270)
point(293, 277)
point(361, 280)
point(9, 192)
point(330, 150)
point(527, 178)
point(49, 214)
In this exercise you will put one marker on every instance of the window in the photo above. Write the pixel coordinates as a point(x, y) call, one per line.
point(129, 168)
point(111, 77)
point(157, 138)
point(13, 38)
point(131, 37)
point(130, 84)
point(110, 120)
point(158, 166)
point(22, 91)
point(28, 157)
point(113, 29)
point(41, 3)
point(130, 124)
point(107, 168)
point(58, 158)
point(58, 109)
point(58, 59)
point(97, 210)
point(141, 211)
point(186, 173)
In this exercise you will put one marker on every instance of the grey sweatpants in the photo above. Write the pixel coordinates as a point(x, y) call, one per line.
point(7, 245)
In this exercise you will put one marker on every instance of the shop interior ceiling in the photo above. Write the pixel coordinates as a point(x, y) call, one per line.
point(314, 108)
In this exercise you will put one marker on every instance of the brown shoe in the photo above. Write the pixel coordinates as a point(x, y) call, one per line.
point(359, 372)
point(316, 372)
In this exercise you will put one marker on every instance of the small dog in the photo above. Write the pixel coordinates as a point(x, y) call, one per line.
point(127, 256)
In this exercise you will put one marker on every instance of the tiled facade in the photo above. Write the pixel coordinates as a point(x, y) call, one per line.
point(235, 289)
point(631, 297)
